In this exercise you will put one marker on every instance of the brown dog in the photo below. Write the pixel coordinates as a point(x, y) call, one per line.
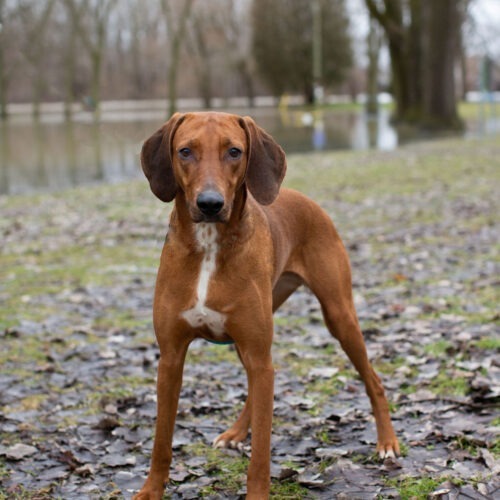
point(236, 248)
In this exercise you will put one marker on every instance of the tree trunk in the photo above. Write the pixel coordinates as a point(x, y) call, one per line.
point(34, 49)
point(247, 80)
point(95, 86)
point(423, 42)
point(440, 50)
point(3, 82)
point(69, 72)
point(205, 86)
point(373, 43)
point(3, 71)
point(38, 90)
point(308, 92)
point(203, 68)
point(135, 54)
point(172, 80)
point(176, 39)
point(4, 158)
point(94, 47)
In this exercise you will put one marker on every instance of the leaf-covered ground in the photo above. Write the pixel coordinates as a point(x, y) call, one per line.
point(78, 357)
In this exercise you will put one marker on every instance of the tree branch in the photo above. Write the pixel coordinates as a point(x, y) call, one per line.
point(392, 28)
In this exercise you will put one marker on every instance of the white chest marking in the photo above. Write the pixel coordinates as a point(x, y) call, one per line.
point(200, 315)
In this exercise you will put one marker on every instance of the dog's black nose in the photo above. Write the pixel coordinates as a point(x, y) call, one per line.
point(210, 202)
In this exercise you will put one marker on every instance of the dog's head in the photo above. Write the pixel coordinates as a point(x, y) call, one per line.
point(208, 157)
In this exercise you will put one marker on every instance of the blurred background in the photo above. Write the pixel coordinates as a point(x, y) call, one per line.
point(84, 82)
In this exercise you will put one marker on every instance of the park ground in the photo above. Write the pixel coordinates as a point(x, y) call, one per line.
point(78, 357)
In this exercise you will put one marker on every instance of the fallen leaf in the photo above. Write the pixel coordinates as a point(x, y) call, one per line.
point(18, 451)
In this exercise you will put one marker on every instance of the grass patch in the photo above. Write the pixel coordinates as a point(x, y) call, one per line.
point(439, 348)
point(229, 470)
point(495, 422)
point(122, 319)
point(33, 277)
point(4, 472)
point(20, 493)
point(289, 490)
point(231, 474)
point(466, 444)
point(202, 351)
point(389, 367)
point(323, 388)
point(444, 385)
point(25, 349)
point(404, 449)
point(356, 177)
point(414, 487)
point(487, 344)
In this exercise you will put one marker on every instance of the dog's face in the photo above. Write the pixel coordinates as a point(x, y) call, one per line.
point(209, 160)
point(209, 157)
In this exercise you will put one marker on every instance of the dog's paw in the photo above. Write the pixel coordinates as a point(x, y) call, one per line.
point(383, 454)
point(388, 450)
point(235, 445)
point(148, 495)
point(150, 491)
point(230, 439)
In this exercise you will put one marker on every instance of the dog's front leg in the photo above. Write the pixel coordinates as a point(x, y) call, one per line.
point(256, 357)
point(170, 368)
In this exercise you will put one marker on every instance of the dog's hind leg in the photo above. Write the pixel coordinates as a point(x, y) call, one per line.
point(328, 275)
point(238, 432)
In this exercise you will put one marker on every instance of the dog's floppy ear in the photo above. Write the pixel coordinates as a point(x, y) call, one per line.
point(156, 159)
point(266, 163)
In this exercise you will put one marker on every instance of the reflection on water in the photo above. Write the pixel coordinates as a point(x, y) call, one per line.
point(52, 154)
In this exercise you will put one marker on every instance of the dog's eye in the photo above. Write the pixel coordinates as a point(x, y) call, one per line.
point(234, 153)
point(184, 153)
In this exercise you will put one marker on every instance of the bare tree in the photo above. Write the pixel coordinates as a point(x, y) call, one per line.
point(93, 35)
point(200, 32)
point(35, 16)
point(176, 32)
point(138, 80)
point(69, 66)
point(232, 22)
point(423, 45)
point(145, 54)
point(374, 43)
point(4, 73)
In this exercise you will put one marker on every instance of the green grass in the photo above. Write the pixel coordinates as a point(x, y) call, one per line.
point(495, 449)
point(230, 472)
point(389, 367)
point(35, 275)
point(466, 444)
point(488, 343)
point(439, 348)
point(355, 177)
point(445, 385)
point(495, 422)
point(415, 487)
point(471, 110)
point(4, 472)
point(18, 351)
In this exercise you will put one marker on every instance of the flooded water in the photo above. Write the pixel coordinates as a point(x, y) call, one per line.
point(53, 154)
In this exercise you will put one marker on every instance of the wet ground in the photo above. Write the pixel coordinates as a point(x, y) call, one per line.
point(77, 386)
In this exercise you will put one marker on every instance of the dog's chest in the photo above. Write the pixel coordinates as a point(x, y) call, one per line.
point(200, 315)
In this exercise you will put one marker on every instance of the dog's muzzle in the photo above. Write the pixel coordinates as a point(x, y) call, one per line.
point(210, 203)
